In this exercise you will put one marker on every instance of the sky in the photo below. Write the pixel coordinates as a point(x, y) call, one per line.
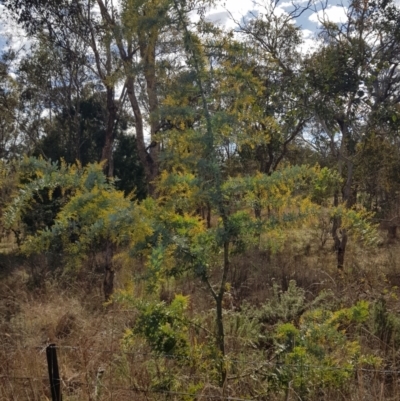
point(224, 14)
point(232, 11)
point(240, 9)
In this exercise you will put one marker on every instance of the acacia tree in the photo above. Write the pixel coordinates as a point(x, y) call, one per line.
point(90, 213)
point(183, 240)
point(274, 43)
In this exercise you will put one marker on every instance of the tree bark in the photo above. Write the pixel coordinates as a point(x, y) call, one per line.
point(147, 46)
point(148, 56)
point(109, 135)
point(339, 234)
point(145, 158)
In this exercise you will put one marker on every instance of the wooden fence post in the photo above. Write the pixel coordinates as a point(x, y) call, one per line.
point(54, 374)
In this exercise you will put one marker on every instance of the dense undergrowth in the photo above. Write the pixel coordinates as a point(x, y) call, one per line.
point(295, 328)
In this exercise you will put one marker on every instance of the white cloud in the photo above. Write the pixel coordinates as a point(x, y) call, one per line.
point(219, 18)
point(237, 7)
point(232, 12)
point(336, 14)
point(310, 42)
point(289, 4)
point(307, 34)
point(286, 4)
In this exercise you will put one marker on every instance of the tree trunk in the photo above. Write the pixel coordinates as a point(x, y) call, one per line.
point(392, 233)
point(144, 156)
point(147, 44)
point(221, 339)
point(109, 273)
point(220, 322)
point(208, 215)
point(106, 154)
point(339, 234)
point(257, 208)
point(340, 247)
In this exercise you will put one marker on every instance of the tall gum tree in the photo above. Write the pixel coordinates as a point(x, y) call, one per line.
point(352, 78)
point(9, 107)
point(75, 29)
point(123, 45)
point(140, 32)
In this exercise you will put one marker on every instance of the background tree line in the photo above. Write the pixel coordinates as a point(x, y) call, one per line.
point(117, 84)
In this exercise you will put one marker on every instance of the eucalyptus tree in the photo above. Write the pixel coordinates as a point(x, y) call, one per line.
point(144, 41)
point(72, 35)
point(382, 182)
point(9, 110)
point(54, 82)
point(353, 79)
point(128, 44)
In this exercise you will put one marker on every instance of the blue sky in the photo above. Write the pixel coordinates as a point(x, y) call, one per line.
point(235, 10)
point(308, 20)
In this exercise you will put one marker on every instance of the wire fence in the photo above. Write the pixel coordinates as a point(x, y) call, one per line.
point(79, 376)
point(271, 364)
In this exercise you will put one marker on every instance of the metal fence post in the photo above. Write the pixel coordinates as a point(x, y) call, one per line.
point(54, 374)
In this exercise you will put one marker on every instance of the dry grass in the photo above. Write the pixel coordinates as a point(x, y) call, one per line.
point(89, 333)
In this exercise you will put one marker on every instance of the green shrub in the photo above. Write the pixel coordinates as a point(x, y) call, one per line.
point(323, 351)
point(162, 326)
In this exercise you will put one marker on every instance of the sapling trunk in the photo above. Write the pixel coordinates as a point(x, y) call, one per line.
point(339, 236)
point(108, 283)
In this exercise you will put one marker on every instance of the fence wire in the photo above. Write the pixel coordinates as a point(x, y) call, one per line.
point(270, 364)
point(254, 368)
